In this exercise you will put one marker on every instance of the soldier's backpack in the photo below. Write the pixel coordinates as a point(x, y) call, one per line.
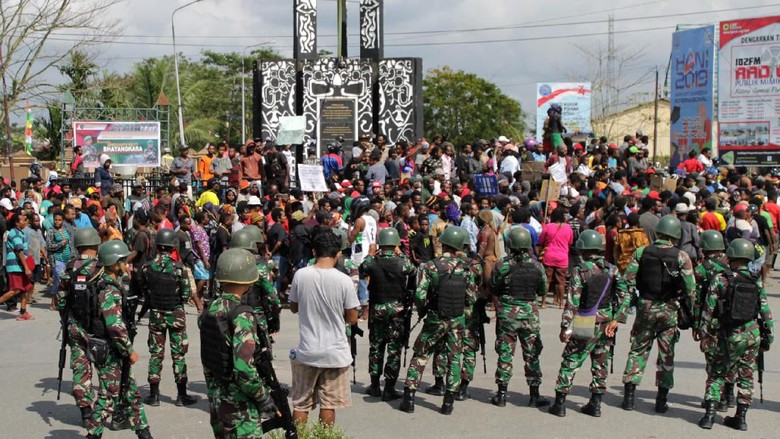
point(450, 299)
point(216, 352)
point(742, 301)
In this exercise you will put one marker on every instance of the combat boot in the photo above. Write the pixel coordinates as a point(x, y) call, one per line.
point(182, 399)
point(628, 396)
point(437, 388)
point(154, 395)
point(709, 416)
point(407, 404)
point(94, 436)
point(144, 434)
point(119, 421)
point(593, 407)
point(374, 389)
point(86, 416)
point(390, 394)
point(728, 392)
point(738, 422)
point(499, 400)
point(463, 393)
point(661, 405)
point(559, 407)
point(537, 400)
point(449, 402)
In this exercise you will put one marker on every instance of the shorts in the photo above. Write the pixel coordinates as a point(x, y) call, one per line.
point(556, 275)
point(19, 281)
point(327, 386)
point(556, 139)
point(200, 272)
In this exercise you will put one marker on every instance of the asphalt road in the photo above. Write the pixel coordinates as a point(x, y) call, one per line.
point(28, 365)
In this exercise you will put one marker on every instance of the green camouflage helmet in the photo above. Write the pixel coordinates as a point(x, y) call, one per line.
point(110, 252)
point(343, 235)
point(669, 226)
point(741, 249)
point(86, 237)
point(388, 237)
point(165, 238)
point(590, 240)
point(256, 233)
point(244, 239)
point(454, 236)
point(712, 240)
point(519, 239)
point(236, 266)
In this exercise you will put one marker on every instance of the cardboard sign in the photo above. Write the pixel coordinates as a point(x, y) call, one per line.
point(486, 184)
point(532, 170)
point(291, 130)
point(558, 173)
point(312, 178)
point(551, 190)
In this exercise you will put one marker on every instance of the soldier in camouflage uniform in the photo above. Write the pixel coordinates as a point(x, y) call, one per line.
point(735, 299)
point(387, 273)
point(516, 284)
point(262, 297)
point(664, 276)
point(167, 290)
point(475, 316)
point(237, 394)
point(111, 324)
point(714, 262)
point(596, 289)
point(85, 270)
point(446, 287)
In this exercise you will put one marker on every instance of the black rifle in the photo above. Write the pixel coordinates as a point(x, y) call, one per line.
point(63, 351)
point(354, 332)
point(265, 367)
point(764, 345)
point(129, 305)
point(480, 319)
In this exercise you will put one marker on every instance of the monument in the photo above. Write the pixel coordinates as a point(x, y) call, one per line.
point(340, 96)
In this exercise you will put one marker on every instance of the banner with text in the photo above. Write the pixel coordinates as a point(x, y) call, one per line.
point(574, 99)
point(749, 91)
point(126, 143)
point(691, 91)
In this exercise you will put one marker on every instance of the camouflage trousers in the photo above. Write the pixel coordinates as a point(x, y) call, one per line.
point(80, 365)
point(654, 322)
point(385, 325)
point(439, 364)
point(739, 356)
point(513, 324)
point(470, 348)
point(438, 336)
point(110, 375)
point(175, 324)
point(231, 419)
point(574, 355)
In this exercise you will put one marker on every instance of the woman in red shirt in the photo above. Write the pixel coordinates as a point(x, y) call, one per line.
point(692, 165)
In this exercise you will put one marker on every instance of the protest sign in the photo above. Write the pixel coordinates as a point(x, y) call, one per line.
point(312, 178)
point(486, 184)
point(291, 130)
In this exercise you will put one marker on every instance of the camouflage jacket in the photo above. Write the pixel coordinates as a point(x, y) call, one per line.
point(246, 384)
point(718, 292)
point(686, 269)
point(110, 300)
point(500, 279)
point(428, 280)
point(265, 283)
point(164, 263)
point(617, 298)
point(705, 273)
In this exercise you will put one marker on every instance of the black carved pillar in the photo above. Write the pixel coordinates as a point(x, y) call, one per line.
point(305, 29)
point(372, 29)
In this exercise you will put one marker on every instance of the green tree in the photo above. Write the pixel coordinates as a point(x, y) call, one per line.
point(464, 107)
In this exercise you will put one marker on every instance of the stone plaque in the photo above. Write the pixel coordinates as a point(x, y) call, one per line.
point(338, 117)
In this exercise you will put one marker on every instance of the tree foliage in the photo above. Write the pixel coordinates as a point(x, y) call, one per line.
point(464, 107)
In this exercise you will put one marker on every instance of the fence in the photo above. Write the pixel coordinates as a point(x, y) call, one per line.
point(151, 181)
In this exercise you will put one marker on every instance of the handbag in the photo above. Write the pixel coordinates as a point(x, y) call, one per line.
point(583, 324)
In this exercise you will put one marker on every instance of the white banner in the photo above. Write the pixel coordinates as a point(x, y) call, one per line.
point(312, 178)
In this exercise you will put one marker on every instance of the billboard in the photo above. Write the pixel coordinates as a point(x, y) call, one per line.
point(749, 91)
point(126, 143)
point(573, 97)
point(691, 91)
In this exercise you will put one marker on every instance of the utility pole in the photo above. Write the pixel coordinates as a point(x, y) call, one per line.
point(655, 119)
point(7, 118)
point(342, 28)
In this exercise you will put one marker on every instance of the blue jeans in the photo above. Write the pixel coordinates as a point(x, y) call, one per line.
point(57, 269)
point(283, 264)
point(363, 292)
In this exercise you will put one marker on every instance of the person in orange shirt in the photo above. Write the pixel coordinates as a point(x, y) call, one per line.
point(204, 164)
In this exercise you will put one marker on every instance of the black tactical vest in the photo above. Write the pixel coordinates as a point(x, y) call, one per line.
point(97, 326)
point(593, 284)
point(387, 280)
point(743, 300)
point(450, 298)
point(216, 348)
point(659, 276)
point(164, 294)
point(82, 296)
point(524, 281)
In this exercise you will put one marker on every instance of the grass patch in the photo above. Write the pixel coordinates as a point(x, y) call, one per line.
point(312, 430)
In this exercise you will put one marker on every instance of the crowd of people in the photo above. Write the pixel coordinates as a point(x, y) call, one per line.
point(461, 251)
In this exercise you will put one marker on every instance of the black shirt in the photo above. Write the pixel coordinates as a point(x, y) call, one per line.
point(221, 243)
point(277, 234)
point(422, 247)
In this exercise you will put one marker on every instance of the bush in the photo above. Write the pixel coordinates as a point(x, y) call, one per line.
point(312, 430)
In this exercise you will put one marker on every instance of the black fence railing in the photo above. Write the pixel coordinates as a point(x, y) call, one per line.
point(151, 182)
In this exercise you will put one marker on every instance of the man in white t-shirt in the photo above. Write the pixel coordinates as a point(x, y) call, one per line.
point(324, 299)
point(362, 236)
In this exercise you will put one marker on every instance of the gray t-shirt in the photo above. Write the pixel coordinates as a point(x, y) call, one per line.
point(322, 296)
point(188, 165)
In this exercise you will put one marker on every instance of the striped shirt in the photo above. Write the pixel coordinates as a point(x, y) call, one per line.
point(16, 242)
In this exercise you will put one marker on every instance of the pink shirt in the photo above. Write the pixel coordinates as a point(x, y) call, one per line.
point(556, 241)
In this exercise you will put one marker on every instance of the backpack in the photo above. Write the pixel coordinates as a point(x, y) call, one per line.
point(742, 301)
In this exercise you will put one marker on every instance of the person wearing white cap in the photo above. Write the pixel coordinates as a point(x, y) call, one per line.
point(503, 140)
point(689, 239)
point(254, 204)
point(6, 204)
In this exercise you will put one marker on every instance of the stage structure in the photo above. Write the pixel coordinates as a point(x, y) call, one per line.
point(340, 96)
